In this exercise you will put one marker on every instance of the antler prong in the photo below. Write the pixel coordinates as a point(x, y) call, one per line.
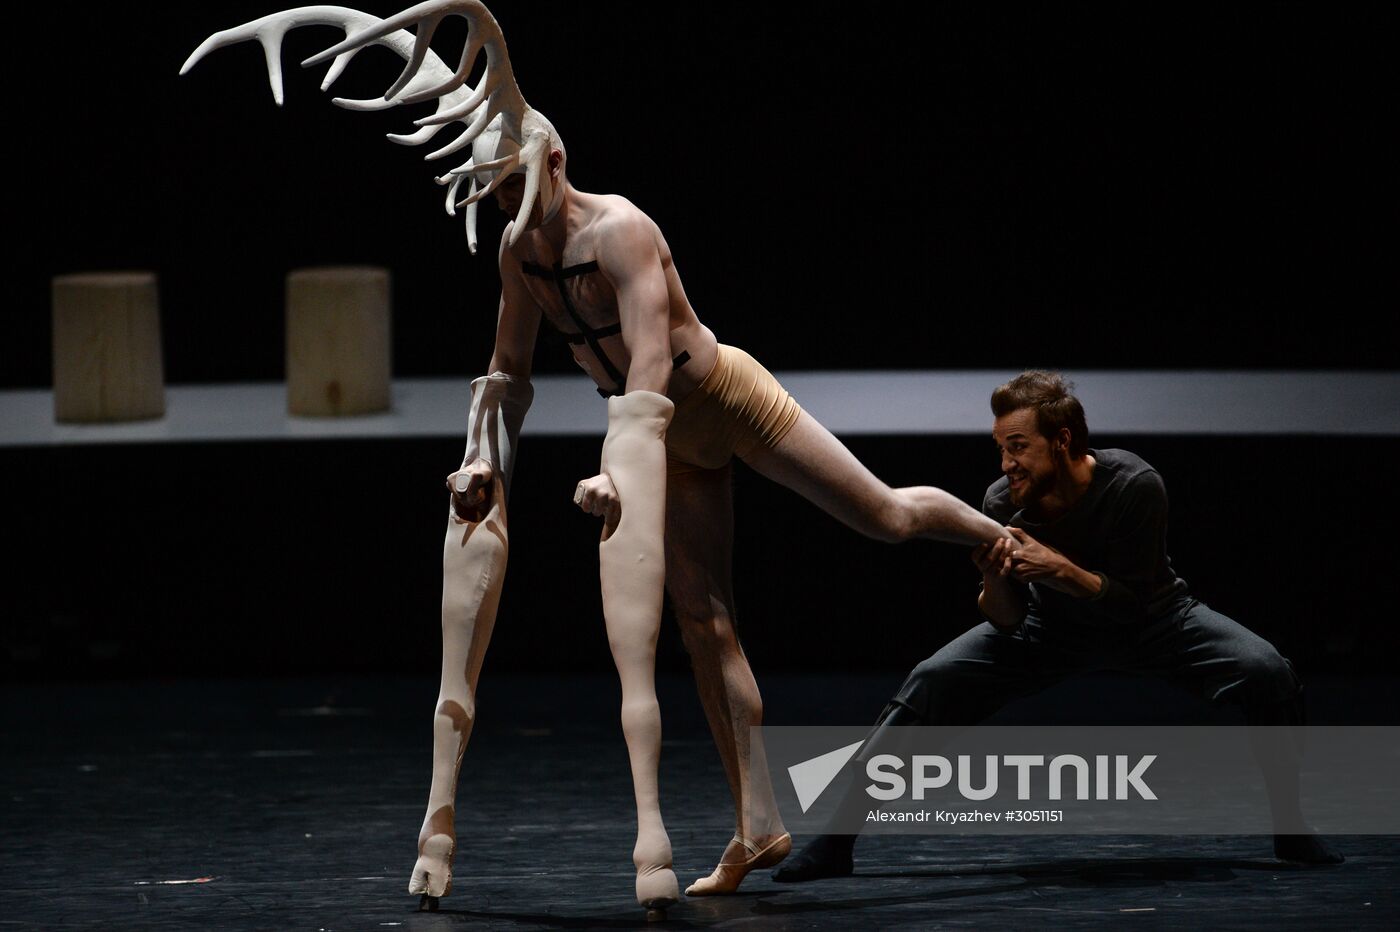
point(471, 217)
point(414, 139)
point(452, 189)
point(472, 166)
point(336, 69)
point(426, 27)
point(511, 161)
point(468, 136)
point(534, 154)
point(487, 88)
point(469, 53)
point(272, 52)
point(465, 168)
point(366, 104)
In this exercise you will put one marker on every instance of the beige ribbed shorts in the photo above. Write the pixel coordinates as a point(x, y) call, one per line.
point(737, 408)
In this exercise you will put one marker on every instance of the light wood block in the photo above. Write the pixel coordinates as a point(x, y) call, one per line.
point(338, 341)
point(106, 348)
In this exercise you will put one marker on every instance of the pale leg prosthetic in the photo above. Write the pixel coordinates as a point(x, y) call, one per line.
point(632, 569)
point(473, 568)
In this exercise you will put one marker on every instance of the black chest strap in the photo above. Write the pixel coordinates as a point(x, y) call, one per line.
point(586, 334)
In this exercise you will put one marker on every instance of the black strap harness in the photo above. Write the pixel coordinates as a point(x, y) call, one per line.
point(586, 334)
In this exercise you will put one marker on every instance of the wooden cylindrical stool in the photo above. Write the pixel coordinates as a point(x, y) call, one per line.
point(338, 343)
point(106, 347)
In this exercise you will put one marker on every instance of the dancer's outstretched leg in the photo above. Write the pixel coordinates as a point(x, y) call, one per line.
point(632, 570)
point(813, 463)
point(699, 562)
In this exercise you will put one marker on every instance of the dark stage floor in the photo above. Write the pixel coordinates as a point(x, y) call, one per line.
point(286, 804)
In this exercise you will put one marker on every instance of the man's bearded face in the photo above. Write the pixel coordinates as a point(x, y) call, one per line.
point(1029, 459)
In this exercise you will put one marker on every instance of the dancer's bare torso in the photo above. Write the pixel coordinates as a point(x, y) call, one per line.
point(635, 285)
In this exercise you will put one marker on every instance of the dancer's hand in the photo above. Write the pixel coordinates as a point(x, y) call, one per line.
point(994, 560)
point(471, 491)
point(1032, 561)
point(598, 496)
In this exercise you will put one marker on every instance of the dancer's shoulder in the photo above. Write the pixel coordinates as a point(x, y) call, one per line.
point(996, 504)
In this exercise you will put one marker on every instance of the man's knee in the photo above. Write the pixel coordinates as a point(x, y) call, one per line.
point(1240, 665)
point(938, 668)
point(703, 624)
point(688, 590)
point(930, 683)
point(967, 679)
point(1267, 675)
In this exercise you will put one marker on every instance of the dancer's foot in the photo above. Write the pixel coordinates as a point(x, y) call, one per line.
point(824, 856)
point(739, 858)
point(1305, 849)
point(432, 874)
point(657, 888)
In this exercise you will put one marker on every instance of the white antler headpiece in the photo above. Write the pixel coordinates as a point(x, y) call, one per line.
point(505, 134)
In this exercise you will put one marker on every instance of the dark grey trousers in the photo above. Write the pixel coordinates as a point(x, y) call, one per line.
point(1191, 646)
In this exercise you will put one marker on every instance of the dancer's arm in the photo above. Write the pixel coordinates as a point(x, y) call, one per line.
point(1032, 561)
point(629, 259)
point(517, 321)
point(1001, 601)
point(517, 326)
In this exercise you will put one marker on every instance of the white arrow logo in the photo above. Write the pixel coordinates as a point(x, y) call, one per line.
point(811, 777)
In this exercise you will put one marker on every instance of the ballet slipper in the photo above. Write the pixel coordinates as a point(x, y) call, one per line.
point(728, 875)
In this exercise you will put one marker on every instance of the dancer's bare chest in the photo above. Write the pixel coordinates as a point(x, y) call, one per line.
point(572, 296)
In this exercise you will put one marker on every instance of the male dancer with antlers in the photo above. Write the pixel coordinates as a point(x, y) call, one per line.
point(681, 406)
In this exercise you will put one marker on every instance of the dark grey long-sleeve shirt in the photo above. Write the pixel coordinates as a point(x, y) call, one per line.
point(1118, 528)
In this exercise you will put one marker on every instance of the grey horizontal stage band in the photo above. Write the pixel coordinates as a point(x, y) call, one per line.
point(848, 403)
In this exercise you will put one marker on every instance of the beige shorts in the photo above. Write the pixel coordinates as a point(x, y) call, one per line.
point(736, 409)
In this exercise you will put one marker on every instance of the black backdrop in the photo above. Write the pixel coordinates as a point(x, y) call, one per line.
point(880, 185)
point(242, 558)
point(919, 186)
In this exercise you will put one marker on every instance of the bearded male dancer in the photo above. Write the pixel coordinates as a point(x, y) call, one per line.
point(681, 406)
point(1085, 585)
